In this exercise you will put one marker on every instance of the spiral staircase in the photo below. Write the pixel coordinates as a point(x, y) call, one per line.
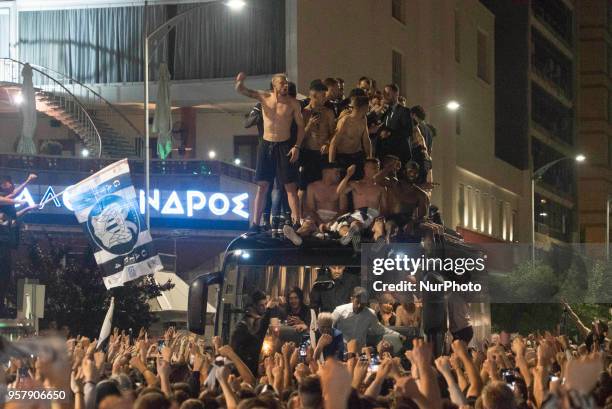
point(101, 128)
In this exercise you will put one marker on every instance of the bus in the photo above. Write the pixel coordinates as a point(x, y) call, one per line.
point(251, 262)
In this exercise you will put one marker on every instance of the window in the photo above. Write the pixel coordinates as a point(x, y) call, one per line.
point(457, 37)
point(245, 149)
point(396, 67)
point(397, 10)
point(482, 57)
point(461, 206)
point(5, 32)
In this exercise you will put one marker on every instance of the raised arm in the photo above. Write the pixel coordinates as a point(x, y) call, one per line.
point(344, 186)
point(470, 369)
point(242, 89)
point(22, 186)
point(583, 329)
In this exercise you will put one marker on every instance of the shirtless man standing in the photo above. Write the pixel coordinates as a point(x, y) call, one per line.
point(369, 200)
point(323, 205)
point(407, 205)
point(275, 155)
point(320, 125)
point(351, 142)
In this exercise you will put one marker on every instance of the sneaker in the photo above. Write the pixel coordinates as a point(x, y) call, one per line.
point(292, 235)
point(349, 236)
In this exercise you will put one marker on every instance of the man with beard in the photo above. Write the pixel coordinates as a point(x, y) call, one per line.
point(351, 142)
point(355, 320)
point(248, 336)
point(275, 155)
point(323, 205)
point(323, 298)
point(407, 204)
point(9, 230)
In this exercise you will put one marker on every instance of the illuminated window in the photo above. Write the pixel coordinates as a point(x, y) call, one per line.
point(461, 206)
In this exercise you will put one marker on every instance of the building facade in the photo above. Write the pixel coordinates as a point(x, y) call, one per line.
point(536, 108)
point(435, 52)
point(595, 115)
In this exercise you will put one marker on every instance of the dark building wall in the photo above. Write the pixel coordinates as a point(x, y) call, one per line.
point(511, 81)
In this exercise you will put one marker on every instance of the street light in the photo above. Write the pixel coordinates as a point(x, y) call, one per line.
point(537, 175)
point(212, 154)
point(453, 105)
point(159, 33)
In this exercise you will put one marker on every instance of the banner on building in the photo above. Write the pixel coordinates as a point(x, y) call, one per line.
point(106, 206)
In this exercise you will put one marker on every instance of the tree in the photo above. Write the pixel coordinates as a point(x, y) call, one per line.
point(75, 294)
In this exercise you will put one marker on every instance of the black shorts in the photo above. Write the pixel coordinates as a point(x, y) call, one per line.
point(347, 159)
point(273, 161)
point(311, 163)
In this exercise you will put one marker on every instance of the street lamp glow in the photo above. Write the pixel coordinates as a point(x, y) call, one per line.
point(85, 152)
point(580, 158)
point(237, 161)
point(236, 4)
point(18, 99)
point(543, 214)
point(453, 105)
point(212, 154)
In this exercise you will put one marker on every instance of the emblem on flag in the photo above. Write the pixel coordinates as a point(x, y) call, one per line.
point(105, 204)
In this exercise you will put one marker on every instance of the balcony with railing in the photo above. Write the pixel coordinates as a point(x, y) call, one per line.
point(553, 219)
point(551, 117)
point(551, 66)
point(171, 168)
point(557, 17)
point(559, 179)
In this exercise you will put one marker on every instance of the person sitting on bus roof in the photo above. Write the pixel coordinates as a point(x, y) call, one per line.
point(407, 204)
point(323, 205)
point(295, 311)
point(356, 320)
point(330, 341)
point(369, 201)
point(248, 336)
point(327, 298)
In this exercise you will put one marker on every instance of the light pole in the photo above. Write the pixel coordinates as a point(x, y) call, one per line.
point(608, 203)
point(537, 175)
point(157, 34)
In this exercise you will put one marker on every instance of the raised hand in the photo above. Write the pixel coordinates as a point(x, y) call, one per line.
point(240, 77)
point(582, 374)
point(443, 365)
point(336, 384)
point(324, 341)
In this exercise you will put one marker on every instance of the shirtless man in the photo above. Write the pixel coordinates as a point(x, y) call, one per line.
point(323, 205)
point(407, 204)
point(275, 155)
point(351, 142)
point(320, 126)
point(369, 201)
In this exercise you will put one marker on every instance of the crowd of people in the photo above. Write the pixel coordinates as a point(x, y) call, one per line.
point(344, 168)
point(181, 370)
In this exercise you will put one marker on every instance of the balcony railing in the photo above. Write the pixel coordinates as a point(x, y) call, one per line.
point(555, 119)
point(551, 66)
point(557, 17)
point(43, 163)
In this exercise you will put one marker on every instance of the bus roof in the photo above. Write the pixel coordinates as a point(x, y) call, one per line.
point(263, 249)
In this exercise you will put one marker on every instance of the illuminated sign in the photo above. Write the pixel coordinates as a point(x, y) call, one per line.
point(189, 204)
